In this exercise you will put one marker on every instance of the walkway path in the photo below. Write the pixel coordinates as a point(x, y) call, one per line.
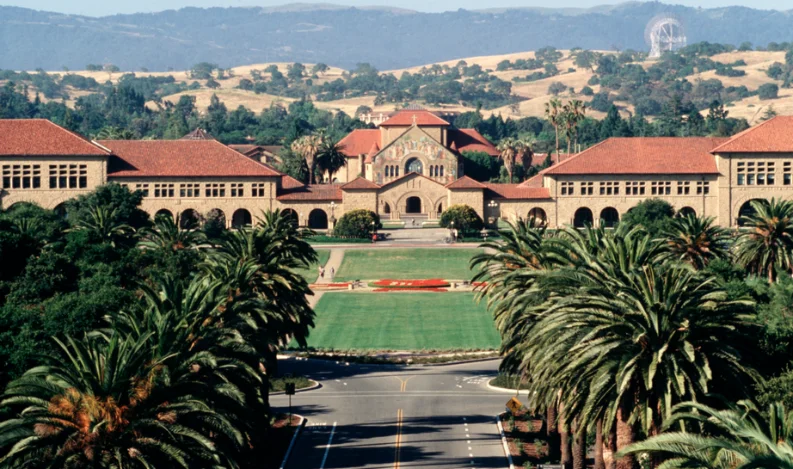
point(334, 261)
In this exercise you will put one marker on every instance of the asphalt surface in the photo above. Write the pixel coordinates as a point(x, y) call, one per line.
point(377, 416)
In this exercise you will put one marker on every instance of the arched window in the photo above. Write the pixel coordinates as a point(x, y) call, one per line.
point(386, 208)
point(441, 171)
point(397, 171)
point(318, 219)
point(538, 214)
point(609, 217)
point(583, 217)
point(414, 165)
point(747, 210)
point(163, 213)
point(686, 211)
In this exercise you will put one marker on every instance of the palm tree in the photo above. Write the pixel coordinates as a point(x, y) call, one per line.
point(524, 151)
point(696, 240)
point(102, 224)
point(766, 245)
point(575, 112)
point(624, 336)
point(331, 158)
point(166, 235)
point(739, 437)
point(555, 115)
point(308, 147)
point(508, 152)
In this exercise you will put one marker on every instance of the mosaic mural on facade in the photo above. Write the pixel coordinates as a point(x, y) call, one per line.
point(423, 155)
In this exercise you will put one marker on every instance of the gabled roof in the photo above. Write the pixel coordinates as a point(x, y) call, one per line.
point(246, 149)
point(372, 152)
point(409, 117)
point(359, 141)
point(288, 182)
point(465, 182)
point(411, 174)
point(772, 136)
point(40, 137)
point(198, 134)
point(360, 183)
point(644, 155)
point(516, 192)
point(471, 140)
point(180, 158)
point(313, 192)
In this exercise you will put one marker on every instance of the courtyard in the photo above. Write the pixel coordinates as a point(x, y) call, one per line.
point(415, 263)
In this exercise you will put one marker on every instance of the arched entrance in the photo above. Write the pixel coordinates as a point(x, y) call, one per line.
point(386, 208)
point(538, 214)
point(583, 217)
point(609, 217)
point(189, 219)
point(413, 205)
point(747, 211)
point(288, 212)
point(163, 213)
point(60, 210)
point(414, 165)
point(318, 219)
point(686, 211)
point(241, 219)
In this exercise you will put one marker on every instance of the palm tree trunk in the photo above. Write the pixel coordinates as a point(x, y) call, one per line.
point(564, 435)
point(551, 420)
point(579, 448)
point(612, 447)
point(625, 437)
point(556, 128)
point(599, 462)
point(310, 164)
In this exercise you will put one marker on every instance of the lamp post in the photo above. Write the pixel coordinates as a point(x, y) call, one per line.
point(452, 230)
point(493, 206)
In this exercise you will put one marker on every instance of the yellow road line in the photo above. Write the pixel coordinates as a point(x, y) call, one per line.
point(398, 439)
point(404, 382)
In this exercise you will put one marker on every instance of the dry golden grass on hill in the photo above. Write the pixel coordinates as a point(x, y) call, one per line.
point(536, 92)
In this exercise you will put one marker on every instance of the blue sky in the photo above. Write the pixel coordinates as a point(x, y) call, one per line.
point(104, 7)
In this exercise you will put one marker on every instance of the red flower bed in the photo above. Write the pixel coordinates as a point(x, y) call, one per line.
point(423, 289)
point(479, 284)
point(410, 284)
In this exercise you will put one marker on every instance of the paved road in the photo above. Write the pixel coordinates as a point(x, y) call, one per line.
point(396, 417)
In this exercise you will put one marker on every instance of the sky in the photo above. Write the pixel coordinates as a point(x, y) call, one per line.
point(104, 7)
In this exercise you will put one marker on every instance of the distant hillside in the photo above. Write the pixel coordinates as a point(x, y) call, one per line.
point(386, 38)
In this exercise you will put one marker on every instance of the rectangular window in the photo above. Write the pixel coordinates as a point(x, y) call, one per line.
point(661, 188)
point(567, 188)
point(609, 188)
point(21, 176)
point(215, 190)
point(587, 188)
point(683, 187)
point(258, 189)
point(703, 188)
point(189, 190)
point(237, 190)
point(163, 190)
point(71, 176)
point(143, 188)
point(634, 188)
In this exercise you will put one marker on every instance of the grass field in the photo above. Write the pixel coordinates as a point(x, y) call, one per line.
point(312, 273)
point(375, 264)
point(402, 321)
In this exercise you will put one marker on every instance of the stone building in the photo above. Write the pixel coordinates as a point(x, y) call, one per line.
point(408, 169)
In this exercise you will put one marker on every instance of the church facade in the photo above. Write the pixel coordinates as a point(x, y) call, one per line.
point(409, 168)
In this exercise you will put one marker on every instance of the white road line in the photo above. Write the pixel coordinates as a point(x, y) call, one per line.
point(327, 448)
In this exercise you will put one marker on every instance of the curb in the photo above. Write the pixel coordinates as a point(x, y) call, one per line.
point(503, 441)
point(300, 426)
point(460, 362)
point(504, 390)
point(316, 385)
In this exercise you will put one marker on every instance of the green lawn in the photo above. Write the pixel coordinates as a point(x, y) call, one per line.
point(402, 321)
point(376, 264)
point(312, 272)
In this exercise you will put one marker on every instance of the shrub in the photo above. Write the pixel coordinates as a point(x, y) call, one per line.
point(465, 219)
point(587, 91)
point(556, 88)
point(653, 214)
point(357, 224)
point(768, 91)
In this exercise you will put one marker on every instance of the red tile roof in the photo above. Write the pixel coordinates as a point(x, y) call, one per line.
point(40, 137)
point(246, 149)
point(288, 182)
point(516, 192)
point(180, 158)
point(372, 152)
point(360, 183)
point(406, 119)
point(313, 192)
point(359, 141)
point(471, 140)
point(465, 182)
point(644, 155)
point(772, 136)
